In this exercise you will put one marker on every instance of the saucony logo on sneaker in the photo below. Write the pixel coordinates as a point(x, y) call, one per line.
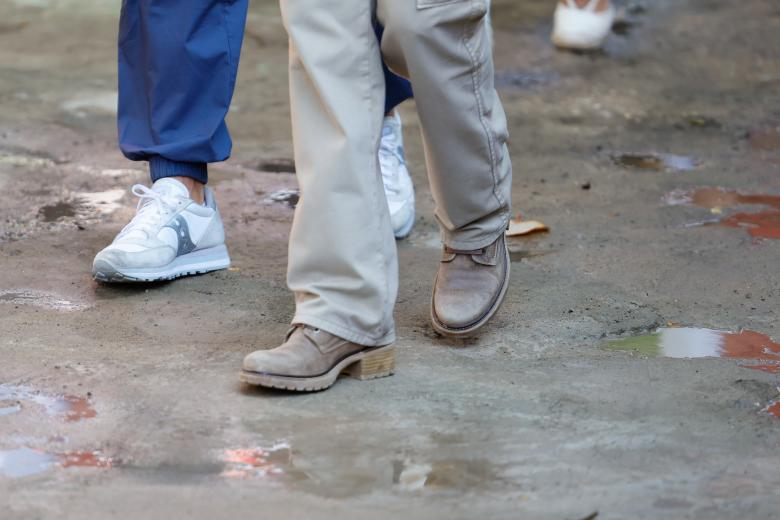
point(179, 226)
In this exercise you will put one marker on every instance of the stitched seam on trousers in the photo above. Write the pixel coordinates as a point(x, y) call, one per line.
point(480, 105)
point(226, 26)
point(383, 261)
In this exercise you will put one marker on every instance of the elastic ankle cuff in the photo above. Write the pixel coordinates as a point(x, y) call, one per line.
point(160, 167)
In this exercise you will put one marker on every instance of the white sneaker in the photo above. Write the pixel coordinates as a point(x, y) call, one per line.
point(170, 236)
point(582, 28)
point(399, 189)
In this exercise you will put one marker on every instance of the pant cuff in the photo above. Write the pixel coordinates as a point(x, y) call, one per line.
point(346, 333)
point(160, 167)
point(476, 242)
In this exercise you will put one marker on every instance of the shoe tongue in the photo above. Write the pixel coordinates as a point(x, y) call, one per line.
point(171, 187)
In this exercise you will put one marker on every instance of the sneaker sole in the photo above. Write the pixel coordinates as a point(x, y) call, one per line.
point(197, 262)
point(367, 364)
point(406, 229)
point(471, 329)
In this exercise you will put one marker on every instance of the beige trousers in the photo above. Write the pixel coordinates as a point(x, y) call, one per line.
point(342, 257)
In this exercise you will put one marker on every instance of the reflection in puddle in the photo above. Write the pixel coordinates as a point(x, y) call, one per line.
point(248, 463)
point(25, 462)
point(69, 407)
point(289, 197)
point(655, 161)
point(773, 408)
point(761, 224)
point(104, 202)
point(460, 475)
point(7, 408)
point(757, 351)
point(38, 299)
point(411, 476)
point(85, 459)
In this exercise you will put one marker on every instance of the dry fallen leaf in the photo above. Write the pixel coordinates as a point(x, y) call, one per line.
point(518, 227)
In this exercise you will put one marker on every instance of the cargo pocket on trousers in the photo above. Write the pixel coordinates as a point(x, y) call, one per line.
point(425, 4)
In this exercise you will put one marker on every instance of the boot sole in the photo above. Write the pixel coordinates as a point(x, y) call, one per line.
point(367, 364)
point(471, 329)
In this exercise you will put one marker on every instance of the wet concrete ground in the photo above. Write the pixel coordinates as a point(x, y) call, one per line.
point(656, 165)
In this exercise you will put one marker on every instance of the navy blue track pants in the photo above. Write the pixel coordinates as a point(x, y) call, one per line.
point(178, 63)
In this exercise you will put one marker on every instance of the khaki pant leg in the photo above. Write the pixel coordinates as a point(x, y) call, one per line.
point(445, 48)
point(342, 257)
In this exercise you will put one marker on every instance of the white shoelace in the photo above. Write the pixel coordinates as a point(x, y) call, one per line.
point(152, 206)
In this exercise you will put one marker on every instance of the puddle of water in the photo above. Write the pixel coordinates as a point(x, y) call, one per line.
point(101, 102)
point(39, 299)
point(289, 197)
point(24, 462)
point(85, 459)
point(655, 161)
point(624, 27)
point(761, 224)
point(277, 166)
point(700, 121)
point(251, 463)
point(773, 408)
point(25, 160)
point(755, 350)
point(518, 253)
point(8, 408)
point(71, 408)
point(105, 202)
point(461, 475)
point(58, 210)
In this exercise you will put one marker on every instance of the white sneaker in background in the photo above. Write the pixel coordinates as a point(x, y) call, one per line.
point(583, 28)
point(399, 189)
point(170, 236)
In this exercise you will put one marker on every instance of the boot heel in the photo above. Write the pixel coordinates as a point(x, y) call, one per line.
point(374, 365)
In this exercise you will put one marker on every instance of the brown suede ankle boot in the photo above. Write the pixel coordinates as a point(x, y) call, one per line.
point(312, 359)
point(469, 288)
